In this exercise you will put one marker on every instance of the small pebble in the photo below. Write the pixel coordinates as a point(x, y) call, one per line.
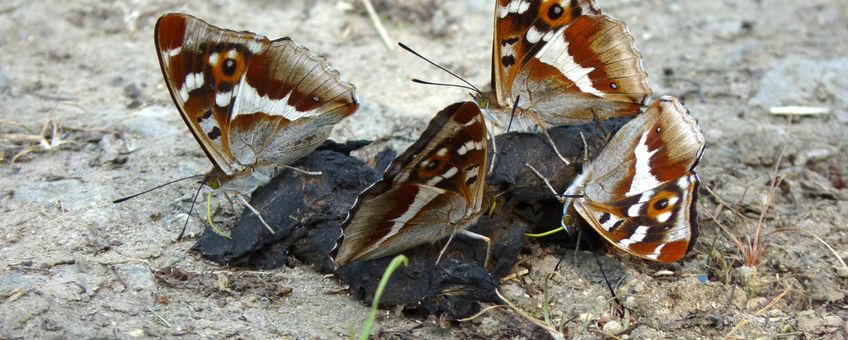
point(136, 333)
point(612, 327)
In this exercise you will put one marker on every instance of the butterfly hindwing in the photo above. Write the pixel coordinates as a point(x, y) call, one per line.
point(658, 225)
point(431, 190)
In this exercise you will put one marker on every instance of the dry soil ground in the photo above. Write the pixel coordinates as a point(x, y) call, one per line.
point(73, 264)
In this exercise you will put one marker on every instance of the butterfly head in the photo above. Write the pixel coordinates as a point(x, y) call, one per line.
point(213, 181)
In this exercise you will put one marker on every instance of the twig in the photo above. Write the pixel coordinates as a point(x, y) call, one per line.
point(159, 317)
point(556, 334)
point(480, 313)
point(378, 25)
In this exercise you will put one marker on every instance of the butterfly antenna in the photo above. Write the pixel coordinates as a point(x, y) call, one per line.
point(410, 50)
point(512, 116)
point(416, 80)
point(190, 210)
point(154, 188)
point(604, 274)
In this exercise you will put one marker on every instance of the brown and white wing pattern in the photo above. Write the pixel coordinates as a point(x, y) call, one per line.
point(640, 192)
point(568, 62)
point(430, 191)
point(243, 95)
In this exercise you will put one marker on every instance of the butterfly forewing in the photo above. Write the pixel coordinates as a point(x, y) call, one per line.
point(639, 193)
point(520, 32)
point(431, 190)
point(568, 62)
point(249, 101)
point(185, 46)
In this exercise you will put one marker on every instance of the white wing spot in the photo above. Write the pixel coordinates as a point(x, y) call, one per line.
point(639, 234)
point(213, 59)
point(662, 218)
point(533, 35)
point(450, 173)
point(222, 99)
point(609, 223)
point(643, 179)
point(555, 53)
point(634, 210)
point(515, 6)
point(192, 82)
point(172, 52)
point(657, 251)
point(254, 46)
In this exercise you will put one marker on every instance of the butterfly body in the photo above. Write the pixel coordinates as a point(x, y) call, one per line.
point(567, 62)
point(640, 192)
point(250, 102)
point(432, 190)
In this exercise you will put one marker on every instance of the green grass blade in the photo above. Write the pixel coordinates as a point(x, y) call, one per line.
point(396, 262)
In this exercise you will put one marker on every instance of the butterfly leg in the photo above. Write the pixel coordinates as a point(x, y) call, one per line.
point(547, 183)
point(544, 130)
point(248, 206)
point(494, 153)
point(476, 236)
point(445, 248)
point(471, 235)
point(585, 148)
point(553, 145)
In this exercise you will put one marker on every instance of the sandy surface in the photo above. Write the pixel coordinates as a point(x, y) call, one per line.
point(73, 264)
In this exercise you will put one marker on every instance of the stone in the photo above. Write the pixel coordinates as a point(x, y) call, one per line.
point(824, 289)
point(137, 277)
point(806, 82)
point(612, 327)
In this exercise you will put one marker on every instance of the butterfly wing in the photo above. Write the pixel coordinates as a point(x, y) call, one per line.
point(567, 61)
point(238, 91)
point(286, 105)
point(639, 193)
point(658, 225)
point(434, 188)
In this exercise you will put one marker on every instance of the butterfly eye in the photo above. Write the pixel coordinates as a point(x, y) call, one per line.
point(555, 12)
point(229, 67)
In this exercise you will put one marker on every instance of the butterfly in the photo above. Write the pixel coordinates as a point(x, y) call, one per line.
point(431, 191)
point(567, 62)
point(640, 192)
point(252, 103)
